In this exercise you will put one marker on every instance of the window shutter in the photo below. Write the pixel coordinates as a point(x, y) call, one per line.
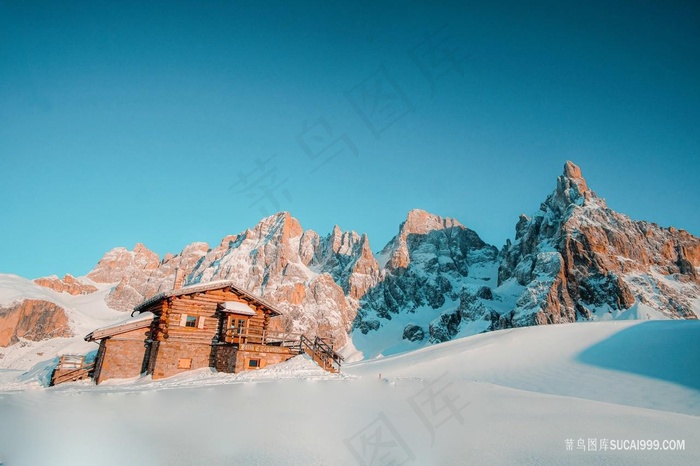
point(200, 323)
point(183, 320)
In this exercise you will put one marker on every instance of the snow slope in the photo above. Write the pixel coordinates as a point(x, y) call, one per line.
point(649, 364)
point(85, 314)
point(506, 397)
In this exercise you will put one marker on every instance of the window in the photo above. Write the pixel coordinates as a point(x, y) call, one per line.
point(184, 363)
point(191, 321)
point(238, 325)
point(254, 363)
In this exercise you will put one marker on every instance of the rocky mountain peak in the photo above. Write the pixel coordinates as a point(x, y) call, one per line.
point(120, 262)
point(195, 248)
point(420, 222)
point(278, 226)
point(141, 249)
point(580, 260)
point(571, 189)
point(427, 264)
point(348, 258)
point(343, 242)
point(573, 171)
point(366, 249)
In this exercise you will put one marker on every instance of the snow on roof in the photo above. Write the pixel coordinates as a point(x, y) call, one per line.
point(200, 287)
point(237, 307)
point(142, 320)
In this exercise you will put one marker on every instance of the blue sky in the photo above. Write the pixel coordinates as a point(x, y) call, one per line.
point(125, 123)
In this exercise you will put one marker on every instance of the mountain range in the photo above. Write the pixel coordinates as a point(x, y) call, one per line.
point(574, 259)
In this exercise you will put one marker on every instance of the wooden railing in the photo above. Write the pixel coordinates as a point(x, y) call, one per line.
point(71, 368)
point(289, 339)
point(321, 350)
point(233, 335)
point(265, 337)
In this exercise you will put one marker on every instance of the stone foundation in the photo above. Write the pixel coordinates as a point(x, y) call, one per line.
point(176, 357)
point(121, 356)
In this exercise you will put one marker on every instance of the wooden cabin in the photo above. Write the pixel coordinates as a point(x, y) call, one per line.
point(213, 324)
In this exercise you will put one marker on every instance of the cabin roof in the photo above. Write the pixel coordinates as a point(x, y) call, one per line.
point(142, 320)
point(209, 286)
point(236, 307)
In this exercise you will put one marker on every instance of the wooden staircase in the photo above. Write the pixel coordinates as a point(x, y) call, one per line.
point(321, 351)
point(71, 368)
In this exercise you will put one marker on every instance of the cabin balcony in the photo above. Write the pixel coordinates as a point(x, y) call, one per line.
point(236, 337)
point(253, 347)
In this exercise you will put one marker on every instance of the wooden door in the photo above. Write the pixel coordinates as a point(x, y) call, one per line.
point(237, 329)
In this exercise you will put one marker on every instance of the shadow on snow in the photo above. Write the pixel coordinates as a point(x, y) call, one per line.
point(666, 350)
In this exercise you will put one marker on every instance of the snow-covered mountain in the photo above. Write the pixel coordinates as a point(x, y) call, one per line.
point(579, 260)
point(429, 268)
point(38, 322)
point(314, 280)
point(573, 260)
point(436, 280)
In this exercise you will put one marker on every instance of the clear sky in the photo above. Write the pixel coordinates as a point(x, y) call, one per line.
point(128, 122)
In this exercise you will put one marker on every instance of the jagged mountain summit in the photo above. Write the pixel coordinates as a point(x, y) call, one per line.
point(316, 281)
point(572, 260)
point(580, 260)
point(427, 267)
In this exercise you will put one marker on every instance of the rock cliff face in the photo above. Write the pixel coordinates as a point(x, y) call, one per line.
point(141, 273)
point(426, 265)
point(34, 320)
point(348, 258)
point(291, 267)
point(579, 260)
point(67, 284)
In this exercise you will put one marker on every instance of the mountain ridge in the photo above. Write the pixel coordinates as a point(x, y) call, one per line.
point(436, 279)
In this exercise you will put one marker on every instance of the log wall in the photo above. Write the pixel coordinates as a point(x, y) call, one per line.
point(203, 306)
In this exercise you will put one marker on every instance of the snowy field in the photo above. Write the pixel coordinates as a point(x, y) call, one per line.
point(524, 396)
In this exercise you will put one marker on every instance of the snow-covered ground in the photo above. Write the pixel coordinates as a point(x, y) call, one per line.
point(510, 397)
point(85, 313)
